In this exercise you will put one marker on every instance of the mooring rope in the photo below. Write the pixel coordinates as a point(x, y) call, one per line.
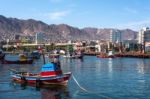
point(13, 70)
point(79, 84)
point(87, 90)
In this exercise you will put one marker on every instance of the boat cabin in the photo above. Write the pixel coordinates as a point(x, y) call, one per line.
point(51, 69)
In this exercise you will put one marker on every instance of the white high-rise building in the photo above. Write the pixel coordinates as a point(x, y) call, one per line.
point(144, 35)
point(39, 38)
point(115, 36)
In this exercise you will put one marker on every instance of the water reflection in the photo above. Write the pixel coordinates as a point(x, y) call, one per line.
point(143, 66)
point(67, 64)
point(128, 77)
point(46, 92)
point(55, 93)
point(140, 66)
point(110, 64)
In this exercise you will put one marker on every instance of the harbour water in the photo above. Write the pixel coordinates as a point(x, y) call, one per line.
point(118, 78)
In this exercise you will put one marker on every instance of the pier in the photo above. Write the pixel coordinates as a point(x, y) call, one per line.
point(133, 55)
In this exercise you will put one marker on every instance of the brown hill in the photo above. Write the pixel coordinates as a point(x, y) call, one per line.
point(11, 26)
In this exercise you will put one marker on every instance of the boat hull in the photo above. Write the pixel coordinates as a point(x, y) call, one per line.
point(17, 62)
point(37, 80)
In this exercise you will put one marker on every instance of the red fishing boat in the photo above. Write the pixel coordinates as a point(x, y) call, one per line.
point(51, 74)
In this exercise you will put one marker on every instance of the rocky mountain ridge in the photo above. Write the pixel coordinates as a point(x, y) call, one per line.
point(11, 26)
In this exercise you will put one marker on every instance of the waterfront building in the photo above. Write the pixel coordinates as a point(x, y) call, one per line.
point(130, 45)
point(23, 38)
point(143, 37)
point(115, 39)
point(147, 46)
point(39, 38)
point(115, 36)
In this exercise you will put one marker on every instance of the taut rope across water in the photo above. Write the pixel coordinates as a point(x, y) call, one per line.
point(87, 90)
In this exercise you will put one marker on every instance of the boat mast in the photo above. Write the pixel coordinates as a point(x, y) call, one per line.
point(43, 54)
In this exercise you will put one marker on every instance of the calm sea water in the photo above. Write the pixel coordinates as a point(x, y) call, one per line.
point(118, 78)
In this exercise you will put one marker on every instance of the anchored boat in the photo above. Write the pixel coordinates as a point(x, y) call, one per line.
point(29, 61)
point(23, 60)
point(51, 74)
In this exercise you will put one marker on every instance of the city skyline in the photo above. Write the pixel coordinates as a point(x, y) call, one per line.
point(119, 14)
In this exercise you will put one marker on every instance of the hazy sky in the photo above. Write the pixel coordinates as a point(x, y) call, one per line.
point(132, 14)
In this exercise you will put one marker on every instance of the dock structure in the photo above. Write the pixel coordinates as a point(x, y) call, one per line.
point(133, 55)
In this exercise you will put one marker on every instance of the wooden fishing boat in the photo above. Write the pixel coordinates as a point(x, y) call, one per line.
point(23, 59)
point(28, 61)
point(51, 74)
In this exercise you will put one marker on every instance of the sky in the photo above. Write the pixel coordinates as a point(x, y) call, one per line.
point(121, 14)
